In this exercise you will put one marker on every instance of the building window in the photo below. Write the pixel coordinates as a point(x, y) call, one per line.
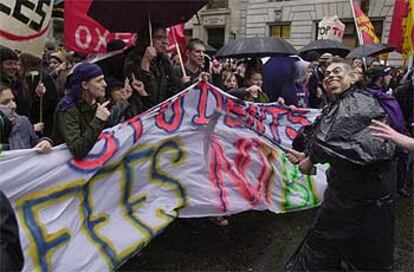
point(215, 37)
point(365, 6)
point(214, 4)
point(188, 33)
point(58, 31)
point(280, 30)
point(350, 38)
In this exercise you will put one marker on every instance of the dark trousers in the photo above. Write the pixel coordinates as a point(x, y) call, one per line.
point(11, 256)
point(404, 164)
point(348, 238)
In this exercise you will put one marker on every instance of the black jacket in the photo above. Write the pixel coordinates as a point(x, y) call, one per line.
point(11, 255)
point(160, 82)
point(342, 138)
point(50, 101)
point(355, 223)
point(79, 128)
point(405, 97)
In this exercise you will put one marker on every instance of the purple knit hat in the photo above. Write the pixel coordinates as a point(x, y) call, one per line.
point(82, 72)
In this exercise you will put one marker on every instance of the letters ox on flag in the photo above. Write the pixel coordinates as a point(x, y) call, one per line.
point(84, 34)
point(200, 153)
point(24, 24)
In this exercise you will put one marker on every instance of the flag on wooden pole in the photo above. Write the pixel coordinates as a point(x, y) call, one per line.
point(365, 29)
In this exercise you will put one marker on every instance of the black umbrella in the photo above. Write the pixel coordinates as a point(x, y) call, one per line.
point(130, 15)
point(112, 64)
point(257, 47)
point(370, 50)
point(326, 46)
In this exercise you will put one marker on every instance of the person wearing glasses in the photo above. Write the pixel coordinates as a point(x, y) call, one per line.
point(149, 63)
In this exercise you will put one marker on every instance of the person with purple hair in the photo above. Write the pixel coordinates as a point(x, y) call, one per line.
point(79, 117)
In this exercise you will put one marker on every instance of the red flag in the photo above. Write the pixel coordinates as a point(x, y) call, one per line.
point(176, 35)
point(364, 25)
point(84, 34)
point(401, 31)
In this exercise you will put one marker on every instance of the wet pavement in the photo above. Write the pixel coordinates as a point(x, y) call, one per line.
point(254, 241)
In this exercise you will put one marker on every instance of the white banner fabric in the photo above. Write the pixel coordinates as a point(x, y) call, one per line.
point(201, 153)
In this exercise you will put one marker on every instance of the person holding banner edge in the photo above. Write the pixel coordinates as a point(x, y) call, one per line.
point(80, 118)
point(20, 133)
point(361, 183)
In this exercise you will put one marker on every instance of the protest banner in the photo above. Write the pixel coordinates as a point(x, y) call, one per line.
point(24, 24)
point(201, 153)
point(331, 28)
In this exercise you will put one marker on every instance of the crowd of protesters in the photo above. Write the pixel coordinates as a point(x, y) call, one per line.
point(366, 107)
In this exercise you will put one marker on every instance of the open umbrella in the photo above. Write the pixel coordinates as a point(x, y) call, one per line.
point(257, 47)
point(326, 46)
point(369, 50)
point(130, 15)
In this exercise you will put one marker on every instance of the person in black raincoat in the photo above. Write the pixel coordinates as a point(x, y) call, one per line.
point(354, 229)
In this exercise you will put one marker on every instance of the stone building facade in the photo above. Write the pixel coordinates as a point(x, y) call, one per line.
point(294, 20)
point(219, 22)
point(297, 20)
